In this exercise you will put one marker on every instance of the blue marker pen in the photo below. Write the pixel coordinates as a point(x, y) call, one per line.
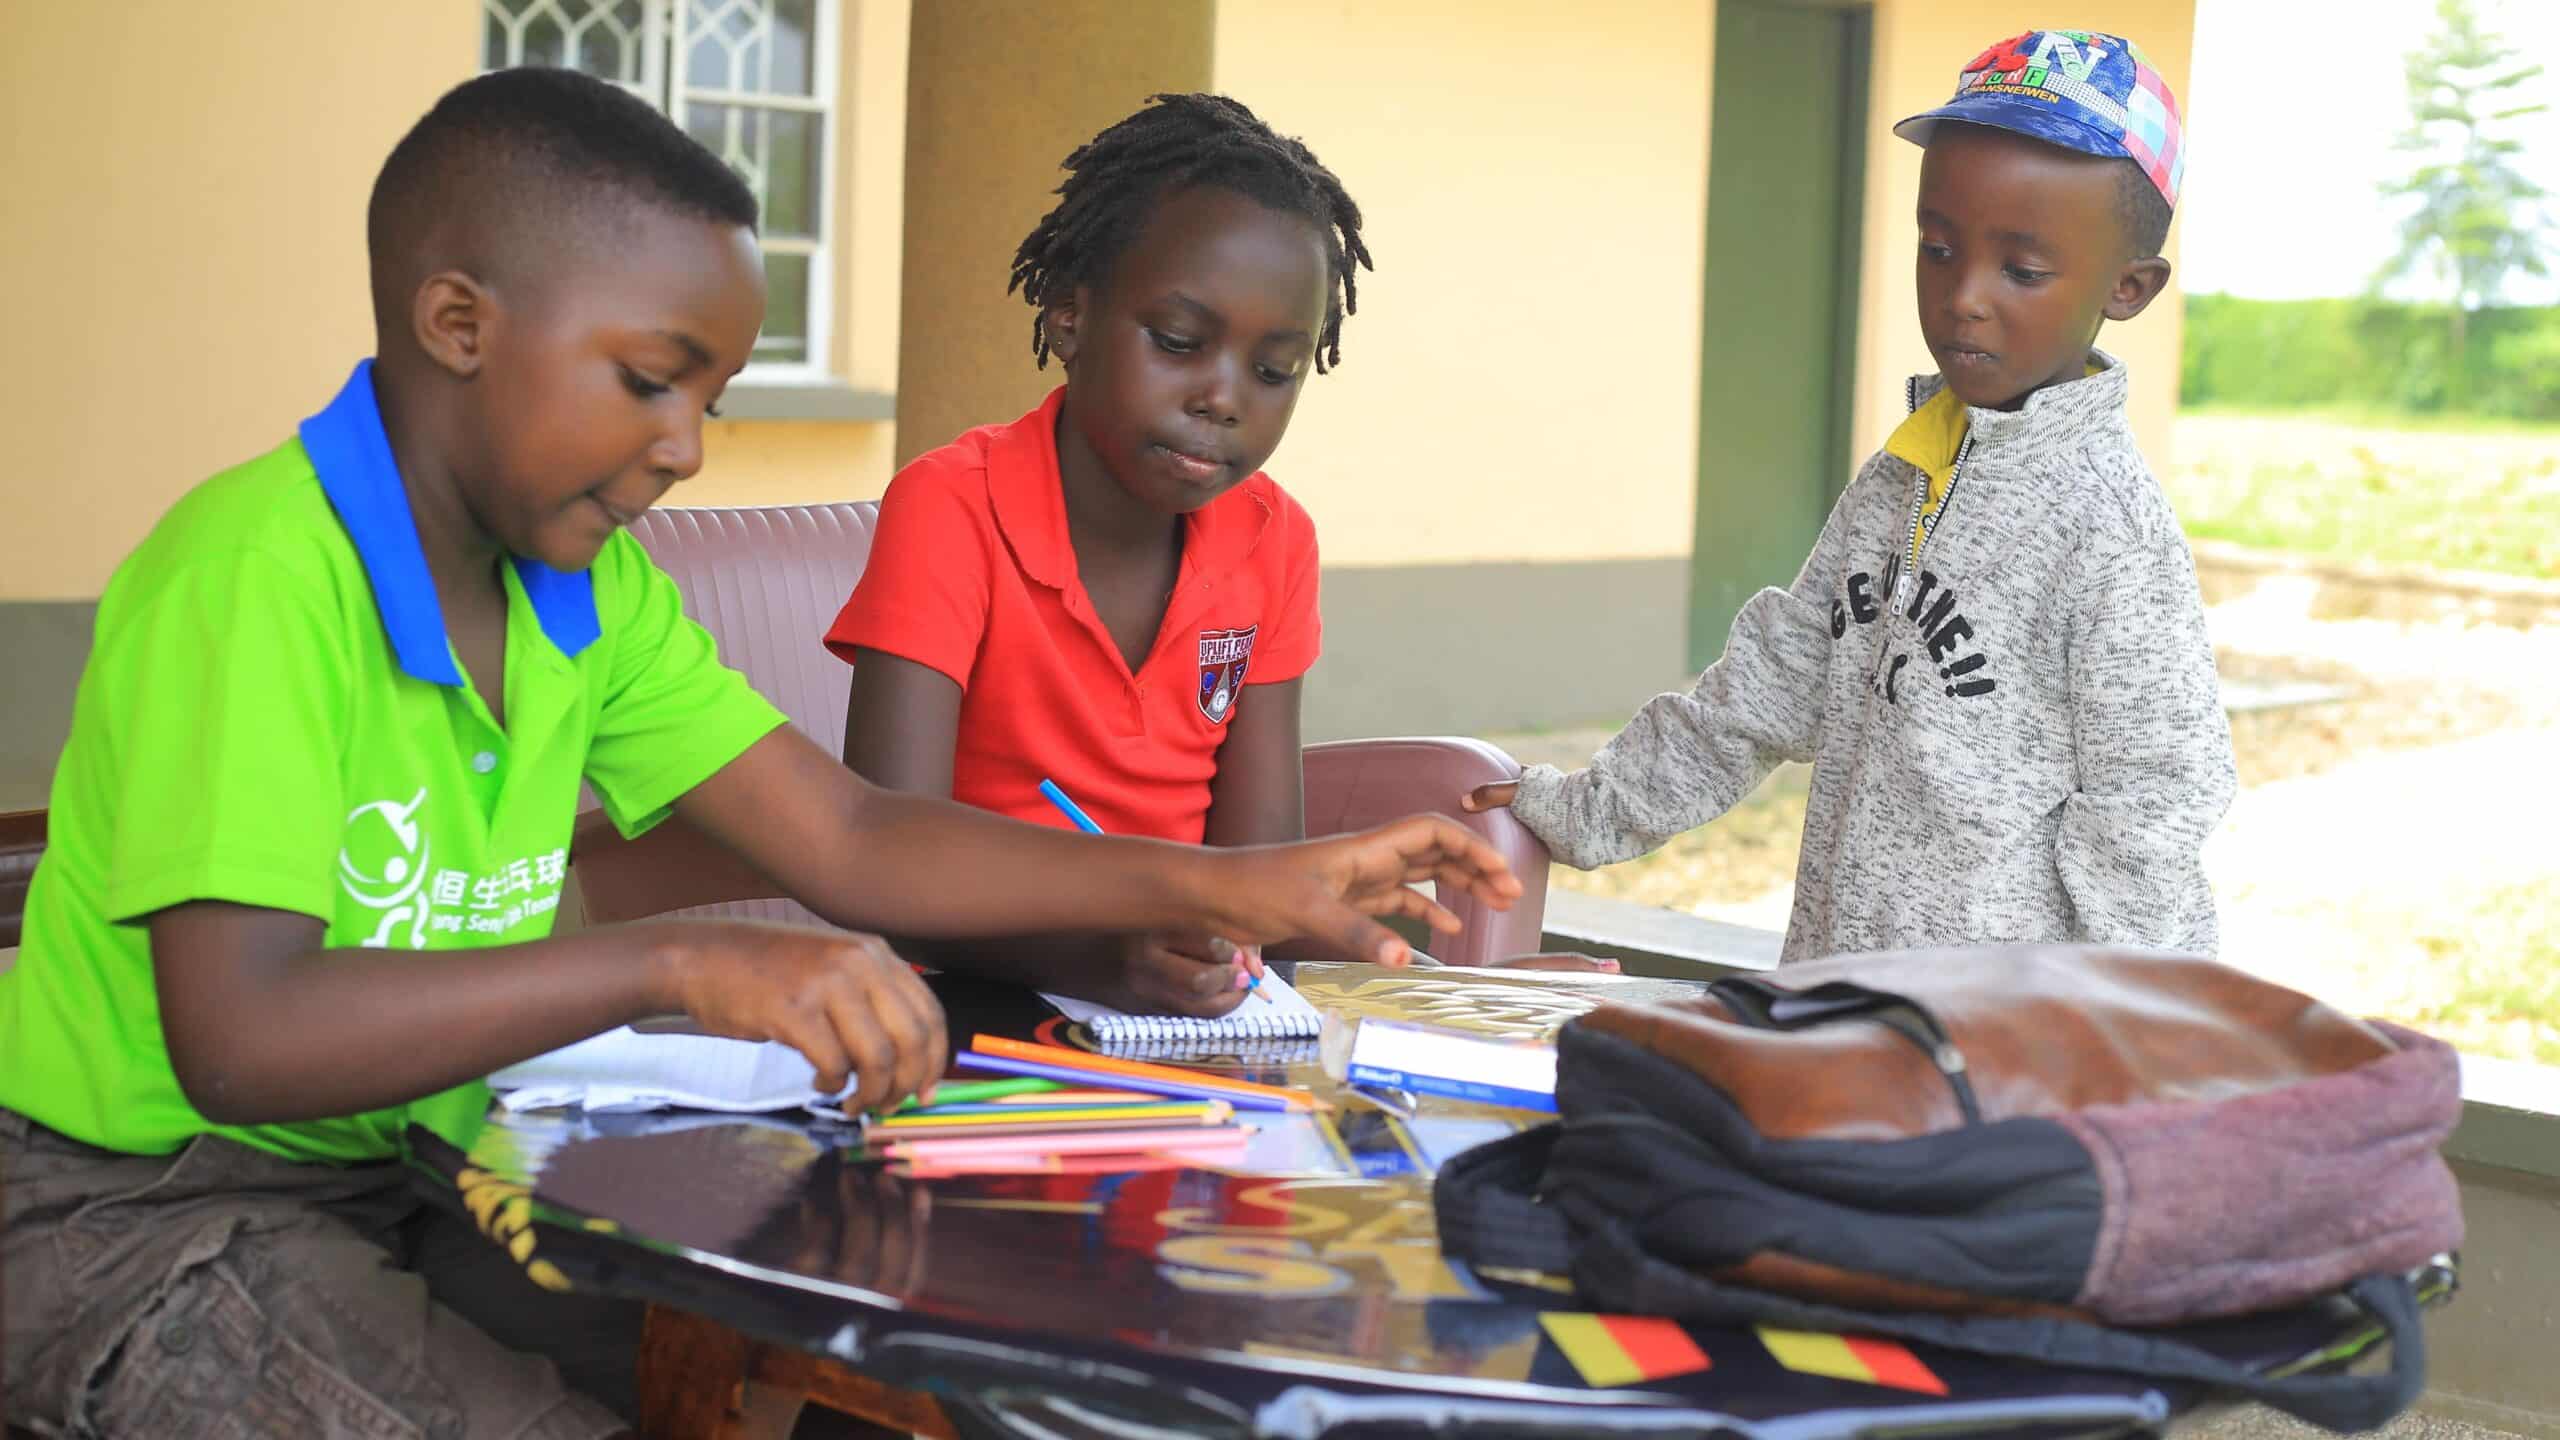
point(1084, 822)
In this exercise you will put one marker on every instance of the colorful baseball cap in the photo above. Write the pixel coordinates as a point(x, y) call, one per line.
point(2097, 94)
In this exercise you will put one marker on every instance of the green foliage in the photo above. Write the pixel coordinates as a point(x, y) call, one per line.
point(2527, 365)
point(2341, 490)
point(2372, 355)
point(2471, 223)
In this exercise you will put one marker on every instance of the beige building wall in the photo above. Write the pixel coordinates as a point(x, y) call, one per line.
point(1521, 379)
point(187, 189)
point(186, 244)
point(1920, 45)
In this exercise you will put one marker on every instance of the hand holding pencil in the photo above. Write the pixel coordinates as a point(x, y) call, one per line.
point(1160, 971)
point(1167, 972)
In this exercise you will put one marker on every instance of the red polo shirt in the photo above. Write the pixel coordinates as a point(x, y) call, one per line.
point(971, 573)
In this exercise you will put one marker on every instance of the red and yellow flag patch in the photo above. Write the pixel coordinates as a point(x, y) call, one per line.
point(1851, 1357)
point(1614, 1350)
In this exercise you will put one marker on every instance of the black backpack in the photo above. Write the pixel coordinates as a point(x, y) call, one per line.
point(2050, 1153)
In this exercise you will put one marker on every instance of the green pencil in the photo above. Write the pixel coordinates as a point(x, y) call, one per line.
point(963, 1092)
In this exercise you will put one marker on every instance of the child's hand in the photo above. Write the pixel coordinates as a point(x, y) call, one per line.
point(847, 1002)
point(1177, 973)
point(1328, 889)
point(1495, 796)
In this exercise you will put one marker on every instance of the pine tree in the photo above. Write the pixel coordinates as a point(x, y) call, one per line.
point(2473, 221)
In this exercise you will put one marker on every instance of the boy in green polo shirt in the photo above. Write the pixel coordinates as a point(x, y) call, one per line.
point(338, 712)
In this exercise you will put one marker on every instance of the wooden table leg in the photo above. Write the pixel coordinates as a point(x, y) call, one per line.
point(870, 1407)
point(693, 1374)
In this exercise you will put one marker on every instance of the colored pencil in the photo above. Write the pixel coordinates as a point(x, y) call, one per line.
point(962, 1092)
point(1069, 808)
point(1033, 1136)
point(1005, 1065)
point(1126, 1071)
point(1034, 1112)
point(1131, 1142)
point(1206, 1111)
point(1062, 1095)
point(1153, 1160)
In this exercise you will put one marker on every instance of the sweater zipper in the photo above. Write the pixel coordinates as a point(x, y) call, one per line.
point(1906, 556)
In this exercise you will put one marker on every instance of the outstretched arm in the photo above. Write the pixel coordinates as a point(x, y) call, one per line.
point(902, 723)
point(1689, 756)
point(871, 858)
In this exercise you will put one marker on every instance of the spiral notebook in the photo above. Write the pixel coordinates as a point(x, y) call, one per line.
point(1288, 1016)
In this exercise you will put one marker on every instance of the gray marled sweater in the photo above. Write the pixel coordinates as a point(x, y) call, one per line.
point(2029, 746)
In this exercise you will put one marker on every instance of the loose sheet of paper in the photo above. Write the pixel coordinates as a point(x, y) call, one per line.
point(623, 1069)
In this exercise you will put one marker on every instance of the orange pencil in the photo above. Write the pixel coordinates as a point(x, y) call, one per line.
point(1106, 1065)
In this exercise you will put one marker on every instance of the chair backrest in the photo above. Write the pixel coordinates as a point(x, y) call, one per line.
point(1354, 784)
point(766, 581)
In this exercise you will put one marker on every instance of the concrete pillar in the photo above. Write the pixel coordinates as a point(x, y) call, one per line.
point(998, 91)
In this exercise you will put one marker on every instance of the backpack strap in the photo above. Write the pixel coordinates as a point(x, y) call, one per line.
point(1611, 1270)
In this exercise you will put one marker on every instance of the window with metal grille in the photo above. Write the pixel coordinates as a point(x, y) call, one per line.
point(755, 80)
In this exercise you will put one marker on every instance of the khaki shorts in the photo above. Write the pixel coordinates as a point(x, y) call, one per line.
point(223, 1291)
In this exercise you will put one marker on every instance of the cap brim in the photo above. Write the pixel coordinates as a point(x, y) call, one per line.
point(2034, 119)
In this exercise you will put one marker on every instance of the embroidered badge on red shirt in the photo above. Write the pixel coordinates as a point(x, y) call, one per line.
point(1223, 654)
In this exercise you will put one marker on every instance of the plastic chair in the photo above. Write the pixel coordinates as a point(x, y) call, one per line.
point(767, 581)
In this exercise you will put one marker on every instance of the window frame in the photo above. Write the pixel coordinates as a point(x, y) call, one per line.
point(662, 82)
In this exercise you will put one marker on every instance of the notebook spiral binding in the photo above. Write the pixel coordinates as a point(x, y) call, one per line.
point(1253, 1050)
point(1296, 1024)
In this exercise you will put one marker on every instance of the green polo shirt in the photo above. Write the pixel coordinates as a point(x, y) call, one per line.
point(272, 715)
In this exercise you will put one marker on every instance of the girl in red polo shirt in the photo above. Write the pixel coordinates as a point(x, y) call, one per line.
point(1108, 591)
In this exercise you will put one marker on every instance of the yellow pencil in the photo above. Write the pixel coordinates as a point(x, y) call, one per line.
point(1208, 1111)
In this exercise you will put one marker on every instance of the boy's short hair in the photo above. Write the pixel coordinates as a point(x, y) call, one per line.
point(539, 158)
point(2142, 212)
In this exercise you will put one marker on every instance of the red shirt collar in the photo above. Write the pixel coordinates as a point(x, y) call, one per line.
point(1030, 506)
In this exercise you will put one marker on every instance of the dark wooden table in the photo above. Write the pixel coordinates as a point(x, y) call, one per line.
point(1300, 1294)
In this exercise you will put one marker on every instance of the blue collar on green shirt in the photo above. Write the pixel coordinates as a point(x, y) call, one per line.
point(348, 448)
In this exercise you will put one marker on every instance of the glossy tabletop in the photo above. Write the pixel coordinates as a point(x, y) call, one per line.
point(1299, 1293)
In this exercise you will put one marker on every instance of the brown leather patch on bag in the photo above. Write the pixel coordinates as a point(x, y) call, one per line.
point(1830, 1285)
point(2038, 1030)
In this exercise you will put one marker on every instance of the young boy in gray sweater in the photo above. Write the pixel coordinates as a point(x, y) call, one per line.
point(1996, 657)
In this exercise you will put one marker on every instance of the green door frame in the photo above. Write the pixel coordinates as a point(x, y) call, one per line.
point(1785, 184)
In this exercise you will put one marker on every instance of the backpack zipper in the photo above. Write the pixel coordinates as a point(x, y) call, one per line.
point(1764, 1006)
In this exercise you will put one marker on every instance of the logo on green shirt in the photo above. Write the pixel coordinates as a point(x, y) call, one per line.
point(386, 864)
